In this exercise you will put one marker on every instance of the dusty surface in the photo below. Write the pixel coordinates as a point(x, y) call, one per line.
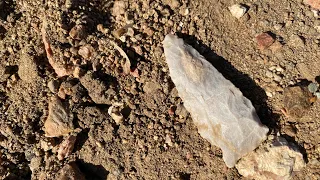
point(156, 138)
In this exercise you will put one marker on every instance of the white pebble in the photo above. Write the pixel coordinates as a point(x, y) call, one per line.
point(279, 69)
point(269, 74)
point(277, 78)
point(237, 10)
point(269, 94)
point(315, 13)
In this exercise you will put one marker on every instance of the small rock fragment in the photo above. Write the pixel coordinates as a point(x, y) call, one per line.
point(269, 74)
point(86, 51)
point(313, 3)
point(313, 87)
point(71, 172)
point(276, 46)
point(78, 32)
point(237, 10)
point(264, 40)
point(315, 13)
point(278, 160)
point(118, 33)
point(115, 114)
point(297, 101)
point(78, 72)
point(59, 120)
point(53, 86)
point(66, 147)
point(277, 78)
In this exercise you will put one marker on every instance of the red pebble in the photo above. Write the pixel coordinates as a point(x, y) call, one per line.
point(264, 41)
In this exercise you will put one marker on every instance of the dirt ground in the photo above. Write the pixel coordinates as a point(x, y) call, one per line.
point(156, 138)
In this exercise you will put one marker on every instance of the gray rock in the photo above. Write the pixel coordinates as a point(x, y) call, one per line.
point(53, 86)
point(313, 87)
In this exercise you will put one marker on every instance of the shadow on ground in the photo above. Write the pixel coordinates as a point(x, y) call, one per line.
point(242, 81)
point(91, 171)
point(247, 86)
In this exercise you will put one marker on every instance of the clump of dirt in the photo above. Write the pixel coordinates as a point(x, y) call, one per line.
point(156, 137)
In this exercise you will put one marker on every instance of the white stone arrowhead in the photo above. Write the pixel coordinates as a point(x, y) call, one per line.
point(221, 113)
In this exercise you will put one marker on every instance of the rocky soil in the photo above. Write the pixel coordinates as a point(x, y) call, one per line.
point(85, 90)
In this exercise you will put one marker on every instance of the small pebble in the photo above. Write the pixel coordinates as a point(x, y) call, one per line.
point(269, 94)
point(313, 87)
point(279, 69)
point(237, 10)
point(264, 40)
point(86, 51)
point(53, 86)
point(78, 32)
point(269, 74)
point(315, 13)
point(278, 27)
point(277, 77)
point(318, 95)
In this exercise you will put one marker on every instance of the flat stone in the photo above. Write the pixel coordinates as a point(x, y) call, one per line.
point(264, 40)
point(59, 120)
point(221, 113)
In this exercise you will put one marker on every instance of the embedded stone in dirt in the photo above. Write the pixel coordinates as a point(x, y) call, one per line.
point(86, 51)
point(53, 86)
point(278, 160)
point(96, 88)
point(28, 71)
point(264, 40)
point(59, 120)
point(78, 32)
point(237, 10)
point(66, 147)
point(71, 172)
point(115, 113)
point(313, 3)
point(297, 101)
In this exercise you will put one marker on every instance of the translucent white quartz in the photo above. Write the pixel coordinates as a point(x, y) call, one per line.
point(221, 113)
